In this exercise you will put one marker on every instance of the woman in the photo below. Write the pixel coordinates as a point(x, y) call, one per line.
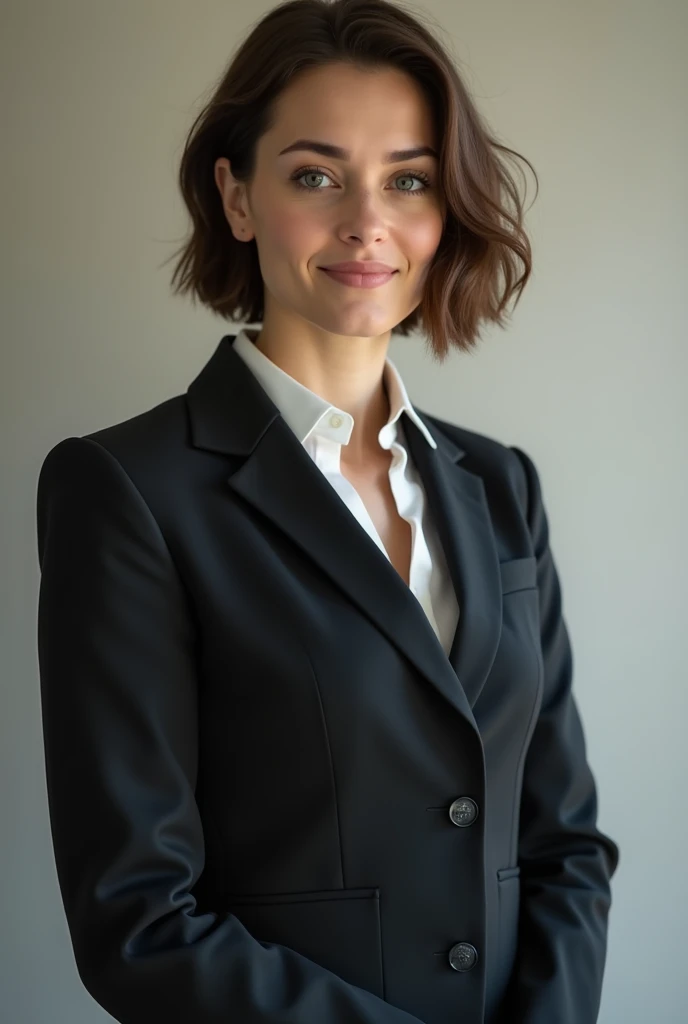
point(312, 750)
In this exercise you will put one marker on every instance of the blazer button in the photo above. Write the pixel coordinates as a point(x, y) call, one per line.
point(463, 956)
point(463, 811)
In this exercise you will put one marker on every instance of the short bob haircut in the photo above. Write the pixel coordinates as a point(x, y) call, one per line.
point(481, 237)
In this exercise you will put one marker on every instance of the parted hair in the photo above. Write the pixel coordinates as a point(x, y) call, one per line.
point(484, 256)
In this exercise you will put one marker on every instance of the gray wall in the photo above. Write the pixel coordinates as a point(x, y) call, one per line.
point(590, 378)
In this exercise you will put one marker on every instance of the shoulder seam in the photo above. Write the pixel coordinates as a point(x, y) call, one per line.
point(136, 490)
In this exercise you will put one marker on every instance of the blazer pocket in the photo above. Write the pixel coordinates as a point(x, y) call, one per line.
point(518, 574)
point(336, 928)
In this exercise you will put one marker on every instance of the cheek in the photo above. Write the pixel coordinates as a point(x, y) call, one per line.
point(290, 230)
point(422, 237)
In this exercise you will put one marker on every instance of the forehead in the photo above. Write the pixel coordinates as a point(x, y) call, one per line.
point(365, 112)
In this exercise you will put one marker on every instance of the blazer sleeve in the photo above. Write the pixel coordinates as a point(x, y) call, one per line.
point(118, 686)
point(566, 862)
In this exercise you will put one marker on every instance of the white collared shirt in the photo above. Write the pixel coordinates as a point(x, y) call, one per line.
point(322, 429)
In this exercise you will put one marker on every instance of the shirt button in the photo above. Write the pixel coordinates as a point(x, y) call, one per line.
point(463, 956)
point(335, 420)
point(463, 811)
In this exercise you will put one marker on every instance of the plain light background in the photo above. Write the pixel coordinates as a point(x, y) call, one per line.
point(590, 378)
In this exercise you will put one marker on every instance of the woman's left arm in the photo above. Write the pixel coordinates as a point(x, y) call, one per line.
point(566, 862)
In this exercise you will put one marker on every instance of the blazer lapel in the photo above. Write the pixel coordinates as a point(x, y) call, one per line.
point(458, 507)
point(232, 414)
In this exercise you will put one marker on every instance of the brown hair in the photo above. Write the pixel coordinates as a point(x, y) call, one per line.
point(480, 236)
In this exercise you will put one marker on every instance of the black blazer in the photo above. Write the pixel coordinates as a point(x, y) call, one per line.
point(273, 798)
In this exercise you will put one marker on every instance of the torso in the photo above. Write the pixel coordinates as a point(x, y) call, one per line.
point(375, 491)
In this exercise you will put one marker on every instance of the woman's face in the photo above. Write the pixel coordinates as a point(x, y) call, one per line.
point(306, 209)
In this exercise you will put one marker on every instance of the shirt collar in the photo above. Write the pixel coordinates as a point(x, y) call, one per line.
point(306, 413)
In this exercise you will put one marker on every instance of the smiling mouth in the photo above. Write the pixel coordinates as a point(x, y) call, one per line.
point(360, 280)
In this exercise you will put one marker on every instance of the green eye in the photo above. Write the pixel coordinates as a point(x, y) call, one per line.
point(418, 175)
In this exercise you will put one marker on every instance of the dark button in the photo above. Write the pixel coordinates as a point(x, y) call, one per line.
point(463, 811)
point(463, 956)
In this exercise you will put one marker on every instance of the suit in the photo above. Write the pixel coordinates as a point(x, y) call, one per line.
point(274, 798)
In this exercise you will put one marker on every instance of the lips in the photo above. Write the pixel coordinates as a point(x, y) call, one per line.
point(360, 267)
point(359, 280)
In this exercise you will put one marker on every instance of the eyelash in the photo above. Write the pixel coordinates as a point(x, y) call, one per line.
point(420, 175)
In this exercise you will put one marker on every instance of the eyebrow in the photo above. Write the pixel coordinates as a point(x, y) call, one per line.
point(337, 153)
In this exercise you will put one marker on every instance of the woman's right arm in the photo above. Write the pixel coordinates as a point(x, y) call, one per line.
point(119, 709)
